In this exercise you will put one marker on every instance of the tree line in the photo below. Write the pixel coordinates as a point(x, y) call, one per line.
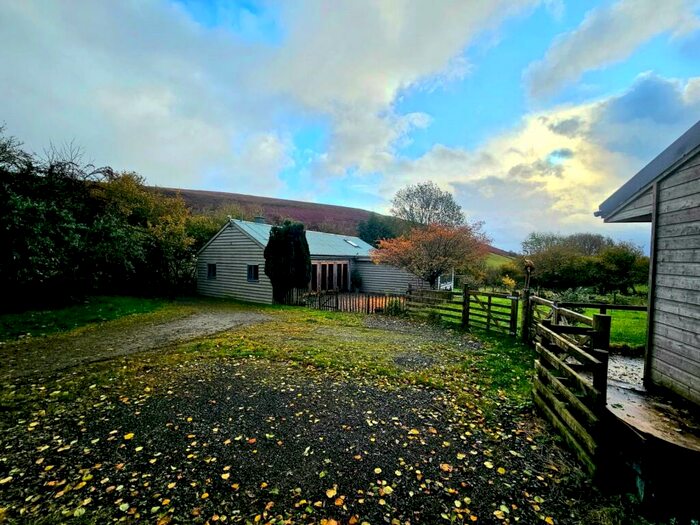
point(428, 235)
point(69, 229)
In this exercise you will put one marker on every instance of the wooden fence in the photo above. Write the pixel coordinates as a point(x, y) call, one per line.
point(491, 311)
point(571, 373)
point(349, 302)
point(488, 311)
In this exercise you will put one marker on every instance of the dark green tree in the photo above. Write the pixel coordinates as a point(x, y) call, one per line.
point(378, 227)
point(287, 259)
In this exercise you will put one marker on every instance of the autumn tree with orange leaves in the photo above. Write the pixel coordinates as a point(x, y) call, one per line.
point(432, 250)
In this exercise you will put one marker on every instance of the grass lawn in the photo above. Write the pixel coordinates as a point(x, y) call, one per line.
point(628, 329)
point(91, 310)
point(298, 416)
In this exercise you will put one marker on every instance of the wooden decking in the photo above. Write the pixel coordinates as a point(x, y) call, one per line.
point(654, 417)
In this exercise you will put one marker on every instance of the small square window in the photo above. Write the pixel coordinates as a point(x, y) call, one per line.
point(253, 272)
point(211, 271)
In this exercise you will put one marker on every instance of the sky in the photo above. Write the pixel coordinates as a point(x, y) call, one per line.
point(530, 112)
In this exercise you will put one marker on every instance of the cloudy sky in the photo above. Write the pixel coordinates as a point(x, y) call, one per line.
point(530, 112)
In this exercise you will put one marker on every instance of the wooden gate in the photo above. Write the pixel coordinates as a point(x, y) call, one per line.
point(496, 312)
point(571, 374)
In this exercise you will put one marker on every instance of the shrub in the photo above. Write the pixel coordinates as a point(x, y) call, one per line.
point(434, 317)
point(394, 307)
point(508, 282)
point(355, 280)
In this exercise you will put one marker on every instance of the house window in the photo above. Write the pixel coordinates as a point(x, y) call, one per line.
point(211, 271)
point(253, 272)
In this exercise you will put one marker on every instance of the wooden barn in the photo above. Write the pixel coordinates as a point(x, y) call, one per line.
point(666, 193)
point(232, 264)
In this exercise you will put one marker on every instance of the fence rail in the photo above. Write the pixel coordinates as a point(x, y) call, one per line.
point(357, 302)
point(490, 311)
point(571, 372)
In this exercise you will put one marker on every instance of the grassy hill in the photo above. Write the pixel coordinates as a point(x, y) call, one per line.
point(320, 217)
point(495, 259)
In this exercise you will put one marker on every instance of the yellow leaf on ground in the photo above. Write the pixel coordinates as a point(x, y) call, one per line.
point(129, 436)
point(331, 493)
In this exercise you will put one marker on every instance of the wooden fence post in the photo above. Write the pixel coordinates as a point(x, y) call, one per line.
point(600, 344)
point(488, 315)
point(514, 316)
point(465, 308)
point(525, 332)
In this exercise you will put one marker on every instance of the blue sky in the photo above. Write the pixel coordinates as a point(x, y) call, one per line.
point(529, 112)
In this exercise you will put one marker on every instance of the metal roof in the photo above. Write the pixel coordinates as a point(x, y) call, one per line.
point(320, 243)
point(683, 147)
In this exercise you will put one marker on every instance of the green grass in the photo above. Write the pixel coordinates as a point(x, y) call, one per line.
point(628, 329)
point(92, 310)
point(495, 260)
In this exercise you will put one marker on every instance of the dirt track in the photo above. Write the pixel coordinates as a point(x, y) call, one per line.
point(40, 357)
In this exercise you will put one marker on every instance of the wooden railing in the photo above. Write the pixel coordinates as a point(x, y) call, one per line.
point(447, 305)
point(497, 312)
point(571, 373)
point(357, 302)
point(491, 311)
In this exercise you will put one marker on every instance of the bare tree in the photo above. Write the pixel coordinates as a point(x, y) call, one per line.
point(426, 203)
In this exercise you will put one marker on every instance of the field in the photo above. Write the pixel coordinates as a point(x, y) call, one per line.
point(628, 330)
point(279, 414)
point(496, 260)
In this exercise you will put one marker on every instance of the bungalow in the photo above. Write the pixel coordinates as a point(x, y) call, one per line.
point(232, 264)
point(666, 193)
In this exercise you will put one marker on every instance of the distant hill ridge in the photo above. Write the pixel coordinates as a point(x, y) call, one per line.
point(320, 217)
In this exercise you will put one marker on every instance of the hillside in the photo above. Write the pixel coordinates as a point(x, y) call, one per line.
point(319, 217)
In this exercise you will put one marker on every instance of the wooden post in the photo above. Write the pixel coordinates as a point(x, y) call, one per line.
point(555, 313)
point(600, 344)
point(367, 303)
point(465, 308)
point(526, 321)
point(488, 315)
point(514, 316)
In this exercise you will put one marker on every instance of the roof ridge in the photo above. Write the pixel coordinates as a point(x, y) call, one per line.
point(308, 231)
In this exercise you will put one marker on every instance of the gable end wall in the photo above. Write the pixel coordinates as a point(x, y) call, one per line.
point(232, 251)
point(675, 334)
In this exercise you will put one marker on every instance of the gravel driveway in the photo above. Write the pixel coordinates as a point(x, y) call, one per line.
point(45, 356)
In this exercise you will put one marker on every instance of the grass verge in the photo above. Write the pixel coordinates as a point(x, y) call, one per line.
point(92, 310)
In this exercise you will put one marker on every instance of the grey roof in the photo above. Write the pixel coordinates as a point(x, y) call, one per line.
point(684, 146)
point(320, 243)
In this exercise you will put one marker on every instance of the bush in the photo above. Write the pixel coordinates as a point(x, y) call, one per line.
point(395, 307)
point(355, 280)
point(434, 317)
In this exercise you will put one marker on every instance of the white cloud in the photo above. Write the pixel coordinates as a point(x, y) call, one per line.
point(608, 35)
point(552, 170)
point(352, 59)
point(140, 85)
